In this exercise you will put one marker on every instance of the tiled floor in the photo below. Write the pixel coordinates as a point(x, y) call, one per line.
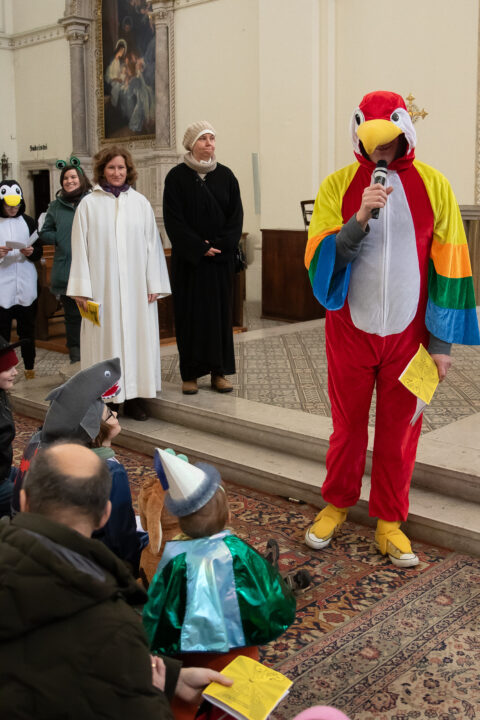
point(285, 365)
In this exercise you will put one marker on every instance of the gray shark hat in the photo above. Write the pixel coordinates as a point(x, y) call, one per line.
point(76, 407)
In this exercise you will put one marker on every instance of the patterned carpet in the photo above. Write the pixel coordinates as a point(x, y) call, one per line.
point(378, 642)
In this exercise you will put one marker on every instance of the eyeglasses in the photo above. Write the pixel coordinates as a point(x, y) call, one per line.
point(110, 413)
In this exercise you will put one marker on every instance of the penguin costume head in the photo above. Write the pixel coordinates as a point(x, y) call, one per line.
point(11, 195)
point(377, 122)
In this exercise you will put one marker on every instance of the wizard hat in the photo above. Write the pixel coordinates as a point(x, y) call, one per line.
point(189, 487)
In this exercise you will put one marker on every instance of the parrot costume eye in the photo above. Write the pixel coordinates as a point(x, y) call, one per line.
point(396, 115)
point(359, 117)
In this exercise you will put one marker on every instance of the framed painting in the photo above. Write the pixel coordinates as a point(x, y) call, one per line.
point(127, 71)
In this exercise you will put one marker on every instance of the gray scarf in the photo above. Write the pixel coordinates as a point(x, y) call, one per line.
point(199, 167)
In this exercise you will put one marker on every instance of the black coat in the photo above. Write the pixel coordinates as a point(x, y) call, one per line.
point(71, 645)
point(196, 211)
point(7, 433)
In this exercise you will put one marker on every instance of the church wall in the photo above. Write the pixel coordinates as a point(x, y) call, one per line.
point(30, 14)
point(426, 48)
point(216, 79)
point(279, 81)
point(43, 105)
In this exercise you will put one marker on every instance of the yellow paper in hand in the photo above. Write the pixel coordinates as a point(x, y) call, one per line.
point(92, 313)
point(421, 375)
point(255, 692)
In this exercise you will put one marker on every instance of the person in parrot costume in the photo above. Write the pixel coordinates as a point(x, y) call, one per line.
point(388, 284)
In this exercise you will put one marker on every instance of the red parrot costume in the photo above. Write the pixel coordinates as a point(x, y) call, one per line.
point(409, 276)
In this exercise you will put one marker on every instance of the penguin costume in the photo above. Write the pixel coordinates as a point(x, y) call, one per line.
point(387, 284)
point(19, 250)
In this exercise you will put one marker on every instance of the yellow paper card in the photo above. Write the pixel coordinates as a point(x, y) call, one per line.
point(92, 313)
point(255, 692)
point(421, 375)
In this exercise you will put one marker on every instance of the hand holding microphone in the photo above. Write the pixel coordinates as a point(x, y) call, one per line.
point(374, 196)
point(380, 178)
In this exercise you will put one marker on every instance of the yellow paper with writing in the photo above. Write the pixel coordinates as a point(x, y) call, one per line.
point(255, 692)
point(421, 375)
point(92, 313)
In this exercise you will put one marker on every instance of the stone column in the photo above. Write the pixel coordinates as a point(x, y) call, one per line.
point(162, 11)
point(76, 32)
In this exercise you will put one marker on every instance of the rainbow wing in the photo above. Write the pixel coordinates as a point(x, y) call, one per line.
point(320, 252)
point(451, 311)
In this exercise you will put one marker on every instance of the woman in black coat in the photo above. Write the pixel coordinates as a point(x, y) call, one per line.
point(203, 217)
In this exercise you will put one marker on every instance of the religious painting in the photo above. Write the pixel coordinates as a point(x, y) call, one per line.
point(127, 47)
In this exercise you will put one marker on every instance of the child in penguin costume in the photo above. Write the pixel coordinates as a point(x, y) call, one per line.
point(390, 264)
point(19, 249)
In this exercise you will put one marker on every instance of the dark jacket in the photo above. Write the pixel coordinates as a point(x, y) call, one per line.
point(7, 433)
point(57, 230)
point(71, 644)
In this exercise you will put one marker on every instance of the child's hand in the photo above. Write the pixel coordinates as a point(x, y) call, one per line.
point(27, 251)
point(4, 250)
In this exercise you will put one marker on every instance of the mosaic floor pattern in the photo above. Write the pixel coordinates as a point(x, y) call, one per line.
point(285, 365)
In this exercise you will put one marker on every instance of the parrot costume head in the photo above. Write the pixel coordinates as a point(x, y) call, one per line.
point(380, 118)
point(11, 194)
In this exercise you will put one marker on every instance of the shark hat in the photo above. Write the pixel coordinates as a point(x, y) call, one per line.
point(76, 407)
point(189, 487)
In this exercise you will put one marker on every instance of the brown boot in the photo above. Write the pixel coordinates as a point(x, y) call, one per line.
point(189, 387)
point(29, 374)
point(221, 384)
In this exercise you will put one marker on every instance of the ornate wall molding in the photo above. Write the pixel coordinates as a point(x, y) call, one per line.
point(187, 3)
point(49, 33)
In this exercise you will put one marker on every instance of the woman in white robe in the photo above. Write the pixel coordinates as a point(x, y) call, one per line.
point(118, 261)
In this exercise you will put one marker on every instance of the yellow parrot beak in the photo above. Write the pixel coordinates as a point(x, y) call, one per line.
point(12, 200)
point(373, 133)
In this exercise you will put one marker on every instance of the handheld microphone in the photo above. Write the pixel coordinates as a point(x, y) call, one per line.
point(379, 176)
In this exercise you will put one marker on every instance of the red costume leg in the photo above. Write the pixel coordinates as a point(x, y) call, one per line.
point(351, 359)
point(396, 441)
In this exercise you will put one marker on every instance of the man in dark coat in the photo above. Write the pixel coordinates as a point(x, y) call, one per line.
point(203, 217)
point(71, 644)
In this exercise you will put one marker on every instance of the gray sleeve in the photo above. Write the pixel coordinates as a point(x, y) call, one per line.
point(438, 347)
point(349, 242)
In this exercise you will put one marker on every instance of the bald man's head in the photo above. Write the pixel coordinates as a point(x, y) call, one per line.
point(68, 477)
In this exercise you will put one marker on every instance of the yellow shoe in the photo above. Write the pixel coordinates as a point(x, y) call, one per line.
point(327, 521)
point(29, 374)
point(391, 541)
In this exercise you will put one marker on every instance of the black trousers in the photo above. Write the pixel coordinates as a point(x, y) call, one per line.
point(73, 321)
point(25, 317)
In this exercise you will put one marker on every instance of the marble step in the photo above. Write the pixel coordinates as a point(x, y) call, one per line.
point(433, 518)
point(242, 439)
point(448, 460)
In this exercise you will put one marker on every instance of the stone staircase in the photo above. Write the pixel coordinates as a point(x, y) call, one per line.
point(282, 451)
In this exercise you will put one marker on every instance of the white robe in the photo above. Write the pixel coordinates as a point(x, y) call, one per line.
point(117, 260)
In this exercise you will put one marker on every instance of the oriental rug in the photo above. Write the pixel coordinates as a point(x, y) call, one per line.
point(378, 642)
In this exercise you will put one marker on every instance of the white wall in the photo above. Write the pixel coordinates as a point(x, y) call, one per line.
point(30, 14)
point(216, 69)
point(428, 48)
point(278, 78)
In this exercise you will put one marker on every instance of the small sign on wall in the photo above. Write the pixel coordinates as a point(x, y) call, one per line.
point(34, 148)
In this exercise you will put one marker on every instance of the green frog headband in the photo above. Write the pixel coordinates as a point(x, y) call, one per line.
point(73, 162)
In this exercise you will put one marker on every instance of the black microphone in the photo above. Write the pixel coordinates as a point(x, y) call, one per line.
point(379, 176)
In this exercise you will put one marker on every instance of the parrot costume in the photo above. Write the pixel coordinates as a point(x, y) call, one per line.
point(404, 280)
